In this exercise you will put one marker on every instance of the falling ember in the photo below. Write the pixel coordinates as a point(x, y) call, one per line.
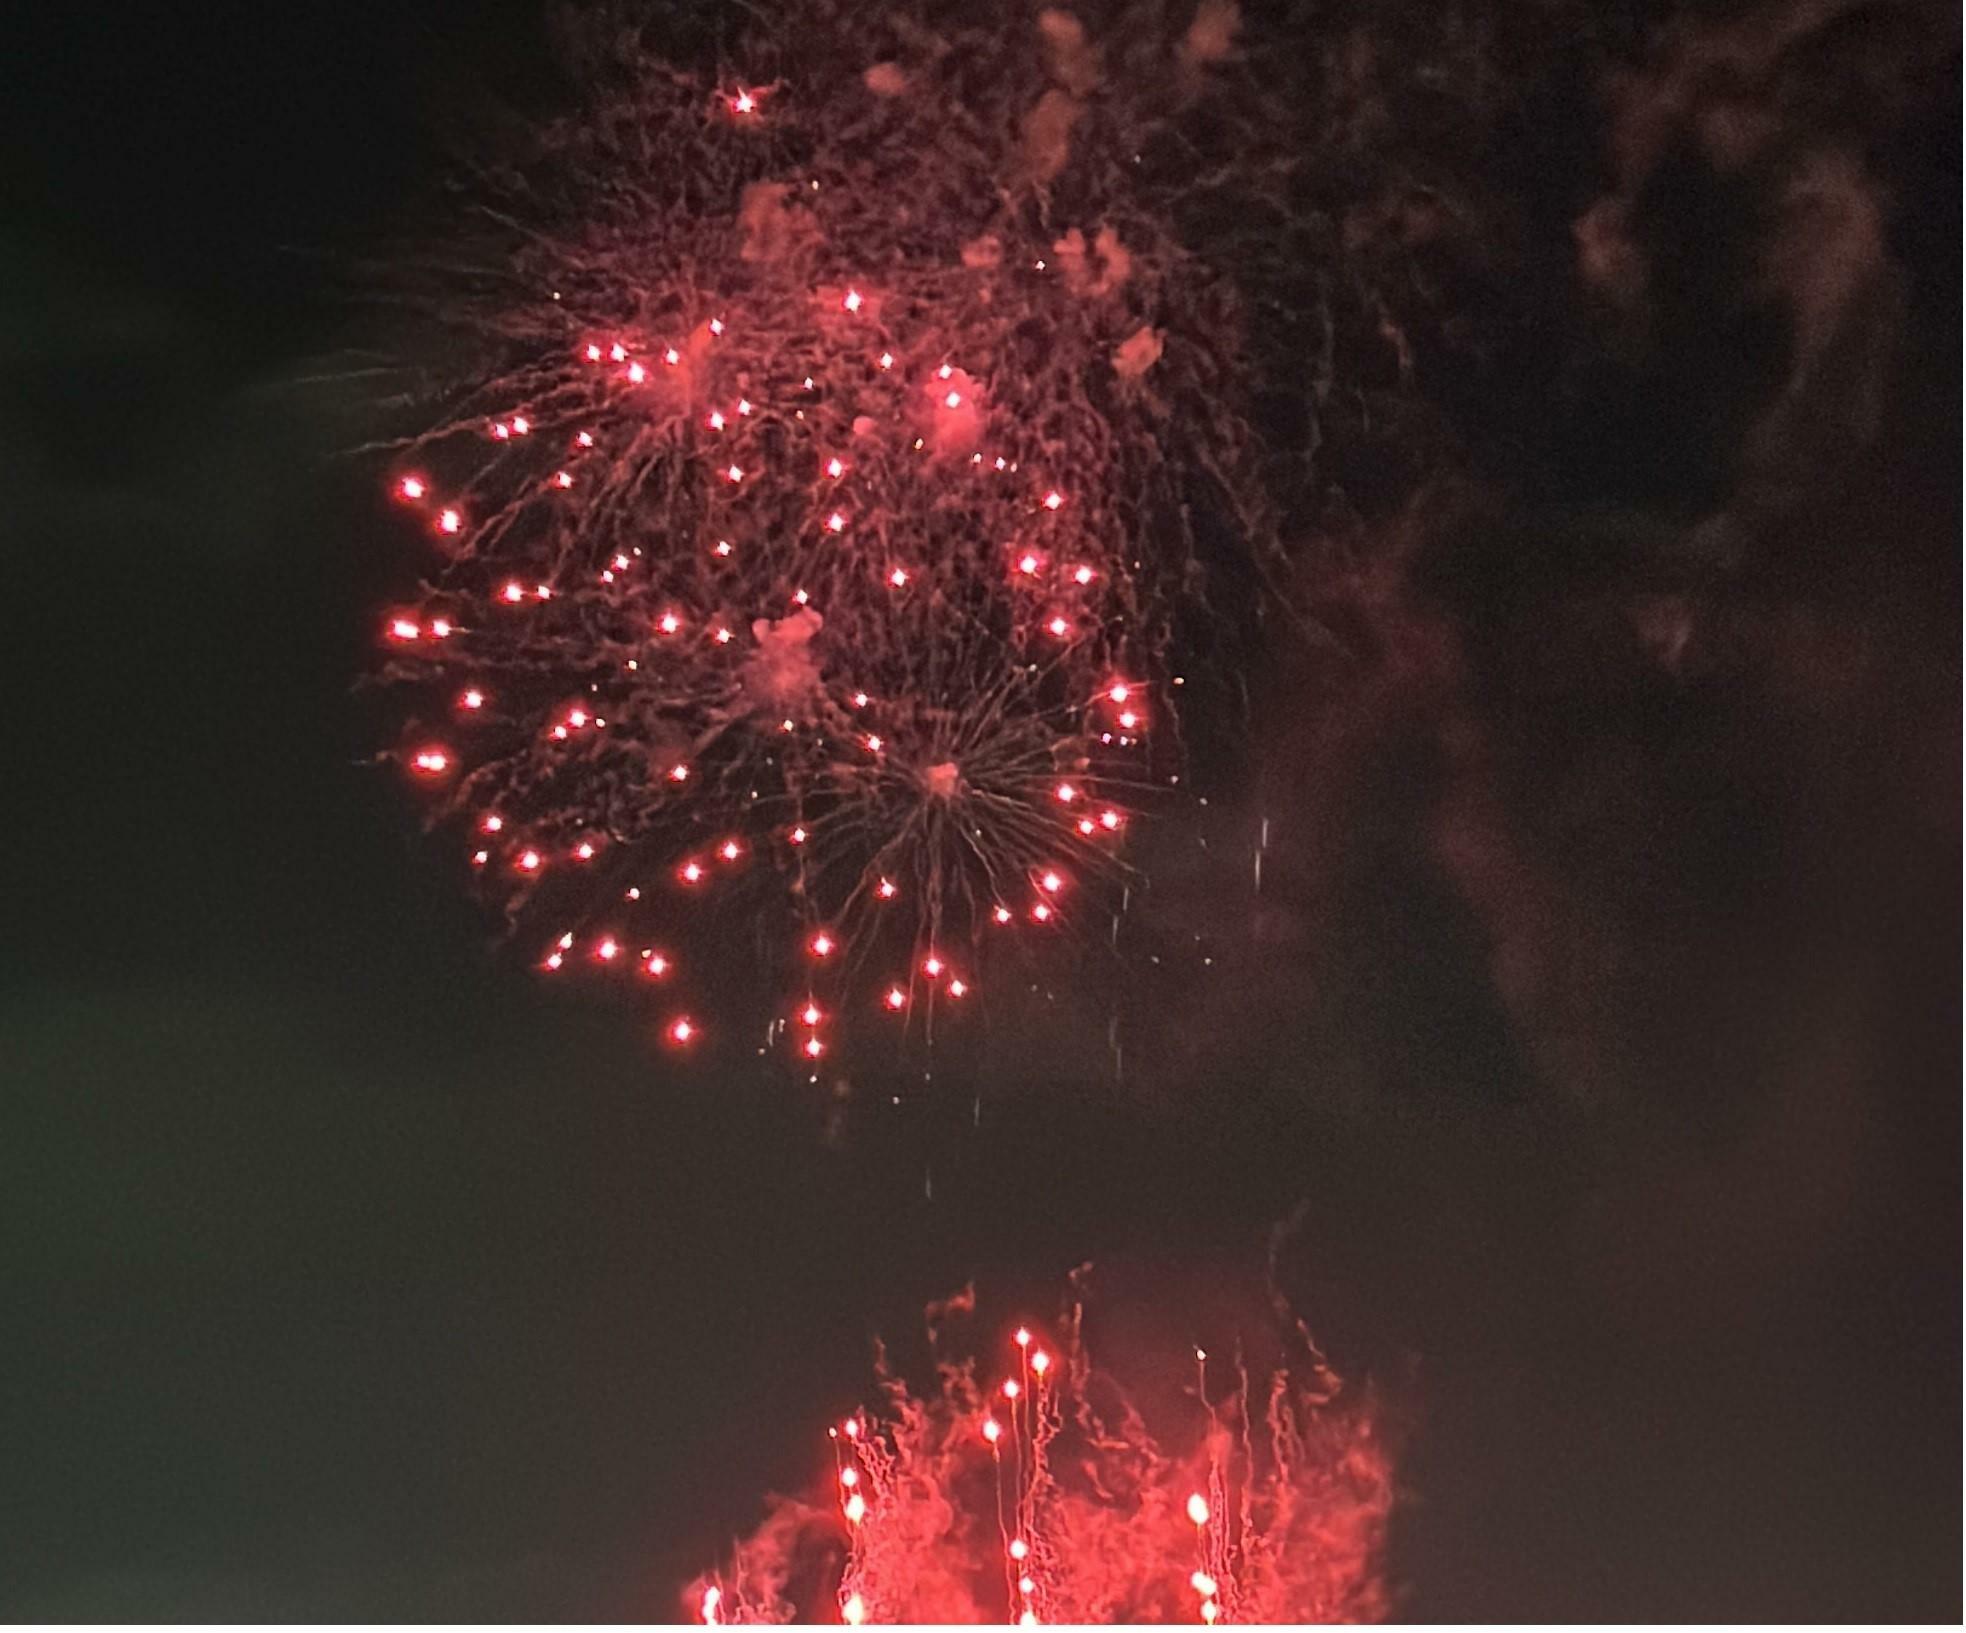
point(682, 1030)
point(412, 487)
point(1198, 1508)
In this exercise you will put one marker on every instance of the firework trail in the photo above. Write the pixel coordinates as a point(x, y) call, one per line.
point(814, 479)
point(1038, 1493)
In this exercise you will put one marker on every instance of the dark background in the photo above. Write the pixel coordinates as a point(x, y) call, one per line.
point(348, 1274)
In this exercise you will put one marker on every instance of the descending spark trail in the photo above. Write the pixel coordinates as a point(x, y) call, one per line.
point(1044, 1496)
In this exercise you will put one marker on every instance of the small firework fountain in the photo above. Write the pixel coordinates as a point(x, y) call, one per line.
point(1045, 1497)
point(814, 480)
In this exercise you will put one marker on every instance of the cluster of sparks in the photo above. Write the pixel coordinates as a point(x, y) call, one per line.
point(1045, 1498)
point(800, 544)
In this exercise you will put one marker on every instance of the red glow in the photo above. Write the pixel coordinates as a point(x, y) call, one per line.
point(1053, 499)
point(835, 468)
point(743, 102)
point(608, 948)
point(432, 761)
point(811, 1016)
point(898, 577)
point(529, 860)
point(835, 523)
point(1051, 883)
point(656, 965)
point(513, 592)
point(1059, 627)
point(1040, 1362)
point(450, 521)
point(1012, 1389)
point(679, 773)
point(896, 998)
point(669, 623)
point(931, 966)
point(814, 1048)
point(1067, 793)
point(851, 301)
point(403, 629)
point(690, 872)
point(1001, 915)
point(886, 890)
point(412, 487)
point(1022, 1339)
point(992, 1430)
point(730, 850)
point(1198, 1508)
point(636, 374)
point(957, 987)
point(682, 1029)
point(822, 944)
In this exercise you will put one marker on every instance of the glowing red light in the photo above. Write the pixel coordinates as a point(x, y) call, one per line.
point(855, 1511)
point(854, 1611)
point(1027, 564)
point(1088, 827)
point(898, 577)
point(801, 597)
point(873, 745)
point(953, 400)
point(835, 468)
point(945, 371)
point(711, 1598)
point(554, 961)
point(1002, 916)
point(822, 944)
point(501, 431)
point(1059, 627)
point(730, 850)
point(679, 773)
point(849, 1477)
point(593, 354)
point(957, 987)
point(852, 300)
point(513, 592)
point(1203, 1584)
point(1022, 1339)
point(1019, 1548)
point(896, 998)
point(480, 858)
point(656, 964)
point(1012, 1389)
point(1040, 1362)
point(608, 948)
point(412, 487)
point(723, 547)
point(797, 836)
point(1083, 575)
point(835, 523)
point(618, 352)
point(1053, 499)
point(1110, 821)
point(585, 439)
point(432, 761)
point(450, 521)
point(887, 360)
point(563, 479)
point(584, 850)
point(1198, 1508)
point(672, 357)
point(811, 1016)
point(743, 102)
point(992, 1430)
point(851, 1428)
point(636, 374)
point(860, 700)
point(886, 890)
point(734, 473)
point(682, 1029)
point(814, 1048)
point(716, 420)
point(492, 823)
point(1129, 719)
point(716, 326)
point(1041, 912)
point(404, 630)
point(690, 872)
point(669, 623)
point(744, 405)
point(932, 966)
point(1027, 1586)
point(521, 425)
point(1067, 793)
point(1050, 883)
point(529, 860)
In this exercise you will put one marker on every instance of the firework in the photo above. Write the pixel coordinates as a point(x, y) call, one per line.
point(1037, 1493)
point(808, 505)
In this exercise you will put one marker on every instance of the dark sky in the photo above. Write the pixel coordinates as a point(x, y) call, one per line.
point(1603, 1009)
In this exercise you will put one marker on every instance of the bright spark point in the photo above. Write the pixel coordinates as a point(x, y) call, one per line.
point(1198, 1508)
point(1203, 1584)
point(1022, 1339)
point(834, 468)
point(896, 998)
point(856, 1509)
point(885, 890)
point(607, 949)
point(730, 850)
point(1050, 883)
point(854, 1611)
point(743, 102)
point(1067, 793)
point(1053, 499)
point(953, 400)
point(450, 521)
point(1012, 1389)
point(412, 487)
point(852, 300)
point(672, 357)
point(992, 1430)
point(529, 860)
point(957, 987)
point(404, 630)
point(656, 964)
point(1040, 1362)
point(835, 523)
point(822, 944)
point(1059, 627)
point(932, 966)
point(811, 1016)
point(898, 577)
point(432, 761)
point(1001, 915)
point(734, 473)
point(1027, 564)
point(636, 374)
point(1019, 1548)
point(690, 872)
point(814, 1048)
point(682, 1030)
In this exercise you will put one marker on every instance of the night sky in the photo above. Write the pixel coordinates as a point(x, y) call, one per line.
point(1601, 1012)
